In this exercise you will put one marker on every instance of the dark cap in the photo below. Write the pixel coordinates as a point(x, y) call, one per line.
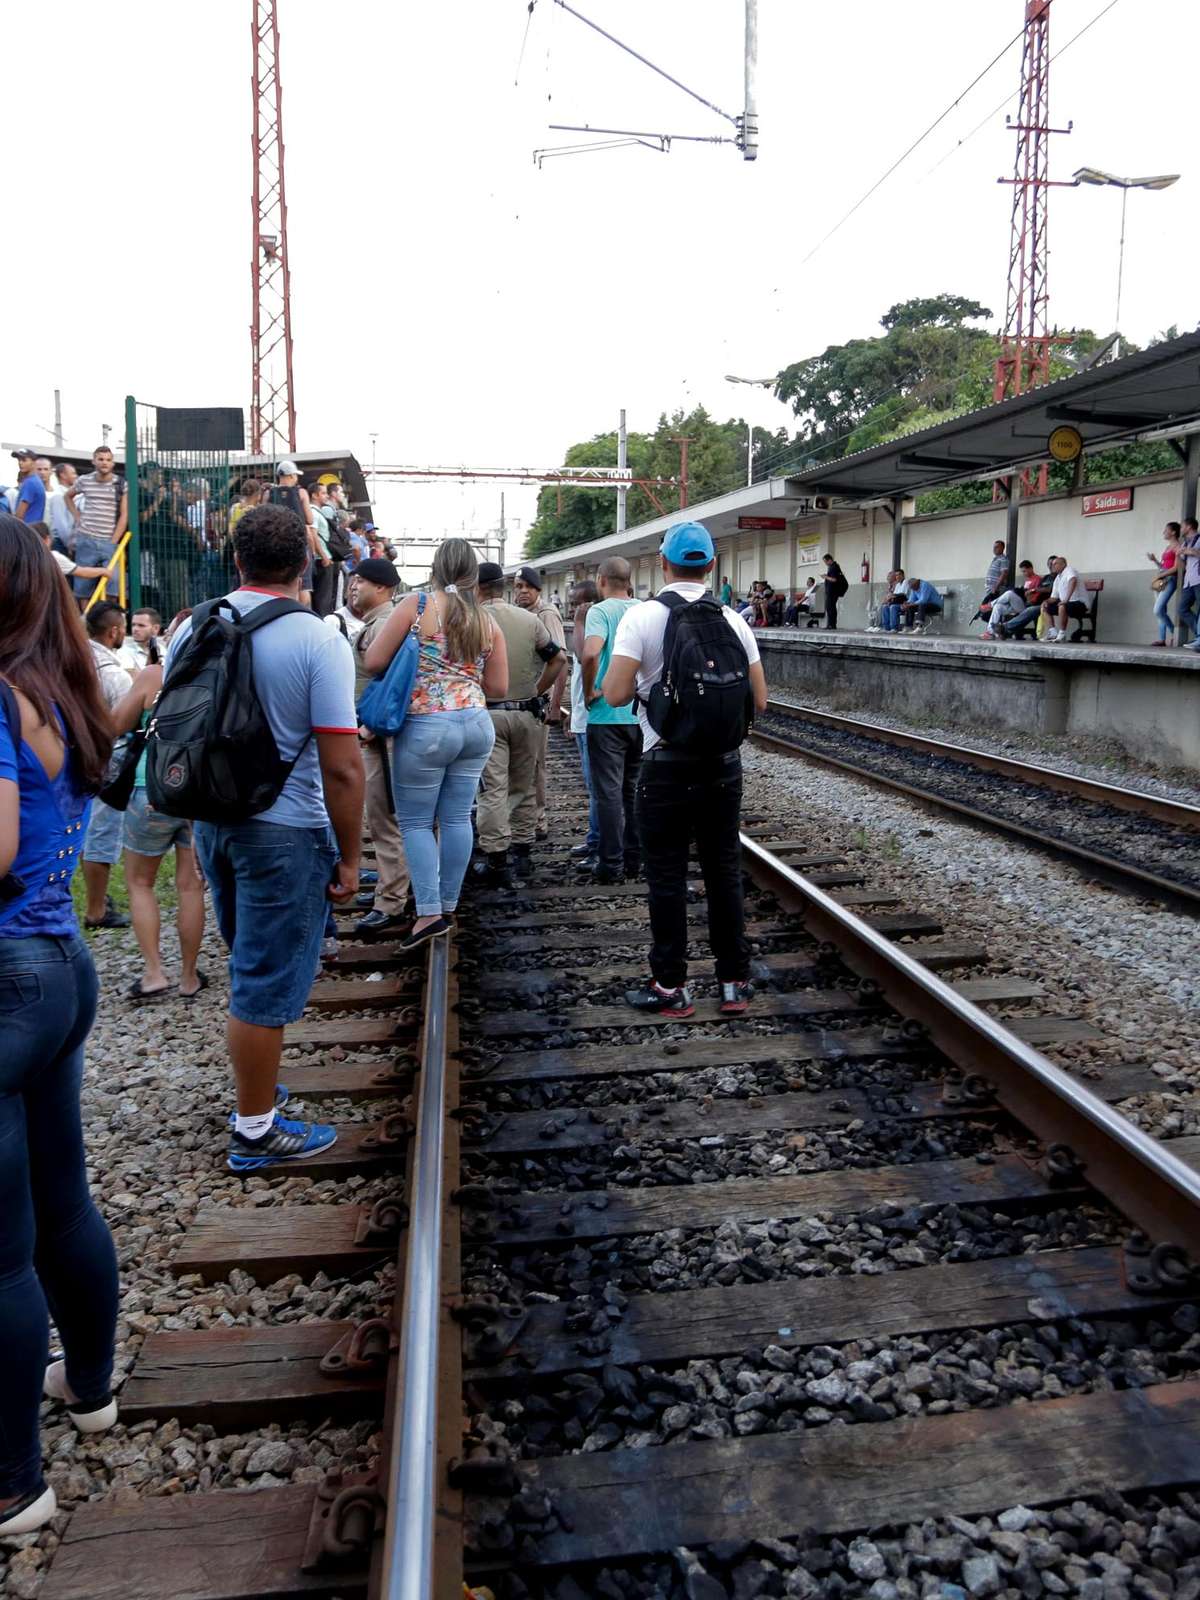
point(22, 453)
point(490, 573)
point(376, 570)
point(532, 577)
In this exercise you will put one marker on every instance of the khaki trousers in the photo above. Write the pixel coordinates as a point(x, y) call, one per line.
point(506, 810)
point(539, 783)
point(384, 831)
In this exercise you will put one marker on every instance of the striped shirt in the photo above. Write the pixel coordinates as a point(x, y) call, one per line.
point(101, 505)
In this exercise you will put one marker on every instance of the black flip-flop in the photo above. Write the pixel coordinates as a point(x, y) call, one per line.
point(145, 996)
point(415, 940)
point(201, 985)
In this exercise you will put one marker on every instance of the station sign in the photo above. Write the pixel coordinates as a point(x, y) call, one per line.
point(1099, 505)
point(808, 552)
point(762, 524)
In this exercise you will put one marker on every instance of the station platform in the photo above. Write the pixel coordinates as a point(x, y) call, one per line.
point(1145, 698)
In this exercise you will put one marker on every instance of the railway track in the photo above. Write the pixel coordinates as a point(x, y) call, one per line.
point(692, 1309)
point(1132, 841)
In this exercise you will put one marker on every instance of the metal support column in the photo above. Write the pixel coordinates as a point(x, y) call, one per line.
point(1191, 482)
point(897, 533)
point(1011, 526)
point(134, 554)
point(622, 463)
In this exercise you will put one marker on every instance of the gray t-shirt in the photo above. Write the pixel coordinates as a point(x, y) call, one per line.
point(304, 675)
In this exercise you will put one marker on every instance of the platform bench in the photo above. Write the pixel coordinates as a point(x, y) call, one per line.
point(1085, 630)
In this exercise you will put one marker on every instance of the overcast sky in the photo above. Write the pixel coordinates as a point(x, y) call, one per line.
point(470, 308)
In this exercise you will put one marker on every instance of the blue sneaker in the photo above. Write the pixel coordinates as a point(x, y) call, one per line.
point(284, 1141)
point(281, 1099)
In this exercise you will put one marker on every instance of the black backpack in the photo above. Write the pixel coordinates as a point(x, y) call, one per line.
point(211, 755)
point(337, 539)
point(703, 702)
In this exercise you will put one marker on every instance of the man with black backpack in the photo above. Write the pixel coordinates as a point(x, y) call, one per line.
point(254, 737)
point(695, 667)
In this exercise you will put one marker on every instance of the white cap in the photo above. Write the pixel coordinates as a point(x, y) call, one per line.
point(287, 469)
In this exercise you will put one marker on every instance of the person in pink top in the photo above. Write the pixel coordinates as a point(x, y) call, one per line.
point(1167, 581)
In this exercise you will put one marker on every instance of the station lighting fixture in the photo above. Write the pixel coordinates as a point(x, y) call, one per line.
point(755, 383)
point(1110, 180)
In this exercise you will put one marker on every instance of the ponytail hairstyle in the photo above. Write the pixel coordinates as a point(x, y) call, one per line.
point(456, 574)
point(44, 650)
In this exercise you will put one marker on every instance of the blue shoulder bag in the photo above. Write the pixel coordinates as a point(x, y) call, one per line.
point(384, 704)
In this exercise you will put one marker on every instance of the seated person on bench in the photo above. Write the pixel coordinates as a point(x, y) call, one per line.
point(921, 601)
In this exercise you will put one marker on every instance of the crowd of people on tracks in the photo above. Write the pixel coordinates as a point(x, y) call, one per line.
point(261, 738)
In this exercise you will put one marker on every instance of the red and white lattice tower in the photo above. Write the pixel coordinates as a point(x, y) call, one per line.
point(272, 401)
point(1026, 344)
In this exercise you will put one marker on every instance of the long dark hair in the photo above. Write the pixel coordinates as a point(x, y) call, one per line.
point(44, 651)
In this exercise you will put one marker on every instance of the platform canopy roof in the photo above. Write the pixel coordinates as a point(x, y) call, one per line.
point(1155, 389)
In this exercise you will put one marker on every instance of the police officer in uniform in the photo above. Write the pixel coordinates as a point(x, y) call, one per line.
point(527, 592)
point(506, 811)
point(374, 583)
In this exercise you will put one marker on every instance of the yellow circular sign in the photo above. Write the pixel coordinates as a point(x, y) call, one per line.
point(1066, 443)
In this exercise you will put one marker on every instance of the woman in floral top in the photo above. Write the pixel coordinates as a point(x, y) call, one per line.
point(447, 736)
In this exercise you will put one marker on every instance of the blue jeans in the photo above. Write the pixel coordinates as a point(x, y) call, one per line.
point(1189, 612)
point(593, 833)
point(269, 886)
point(56, 1253)
point(437, 760)
point(889, 618)
point(1161, 602)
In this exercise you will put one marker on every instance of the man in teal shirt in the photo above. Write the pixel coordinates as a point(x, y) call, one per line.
point(614, 737)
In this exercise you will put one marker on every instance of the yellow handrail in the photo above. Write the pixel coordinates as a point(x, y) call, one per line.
point(117, 561)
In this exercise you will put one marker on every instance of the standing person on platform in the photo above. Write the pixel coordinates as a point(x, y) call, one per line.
point(273, 875)
point(836, 586)
point(690, 784)
point(527, 593)
point(1189, 599)
point(583, 597)
point(996, 580)
point(614, 736)
point(29, 496)
point(54, 1245)
point(289, 493)
point(102, 842)
point(58, 512)
point(374, 584)
point(447, 735)
point(727, 593)
point(145, 626)
point(507, 806)
point(1166, 583)
point(101, 521)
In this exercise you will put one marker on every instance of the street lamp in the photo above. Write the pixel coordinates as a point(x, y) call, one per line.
point(754, 383)
point(1110, 180)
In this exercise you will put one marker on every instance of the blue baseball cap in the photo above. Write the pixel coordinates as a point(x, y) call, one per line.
point(687, 544)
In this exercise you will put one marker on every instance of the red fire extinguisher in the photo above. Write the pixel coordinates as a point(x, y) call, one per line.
point(866, 569)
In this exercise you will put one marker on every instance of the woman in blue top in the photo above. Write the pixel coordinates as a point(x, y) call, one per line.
point(56, 1254)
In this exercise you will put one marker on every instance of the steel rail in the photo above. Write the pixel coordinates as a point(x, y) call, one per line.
point(410, 1491)
point(1140, 1176)
point(1176, 812)
point(1122, 875)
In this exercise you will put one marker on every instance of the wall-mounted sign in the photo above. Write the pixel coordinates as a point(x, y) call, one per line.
point(1065, 443)
point(762, 524)
point(808, 554)
point(1099, 505)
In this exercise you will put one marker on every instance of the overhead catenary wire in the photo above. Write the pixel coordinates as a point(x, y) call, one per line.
point(917, 142)
point(646, 62)
point(995, 111)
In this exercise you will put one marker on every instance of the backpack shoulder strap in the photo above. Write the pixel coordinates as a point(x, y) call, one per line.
point(261, 615)
point(12, 713)
point(671, 599)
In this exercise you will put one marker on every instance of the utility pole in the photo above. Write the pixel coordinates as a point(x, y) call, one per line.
point(58, 428)
point(622, 463)
point(683, 468)
point(105, 430)
point(748, 129)
point(272, 400)
point(503, 531)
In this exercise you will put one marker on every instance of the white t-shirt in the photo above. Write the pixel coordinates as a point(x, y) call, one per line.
point(1062, 590)
point(640, 635)
point(65, 565)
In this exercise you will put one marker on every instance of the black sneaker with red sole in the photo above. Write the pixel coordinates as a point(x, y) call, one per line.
point(667, 1002)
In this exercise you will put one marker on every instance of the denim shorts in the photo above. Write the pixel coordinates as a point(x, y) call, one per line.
point(152, 833)
point(102, 841)
point(268, 886)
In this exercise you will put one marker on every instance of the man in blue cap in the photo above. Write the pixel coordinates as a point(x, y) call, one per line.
point(695, 667)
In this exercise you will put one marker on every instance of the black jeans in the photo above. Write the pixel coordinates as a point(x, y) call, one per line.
point(676, 801)
point(324, 589)
point(831, 604)
point(614, 754)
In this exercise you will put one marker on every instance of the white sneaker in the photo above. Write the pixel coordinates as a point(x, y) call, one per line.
point(987, 634)
point(55, 1387)
point(29, 1514)
point(1050, 636)
point(874, 630)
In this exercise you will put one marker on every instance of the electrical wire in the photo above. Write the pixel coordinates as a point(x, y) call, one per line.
point(995, 111)
point(524, 42)
point(900, 160)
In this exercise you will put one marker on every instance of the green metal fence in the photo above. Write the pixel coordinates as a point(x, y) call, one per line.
point(179, 514)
